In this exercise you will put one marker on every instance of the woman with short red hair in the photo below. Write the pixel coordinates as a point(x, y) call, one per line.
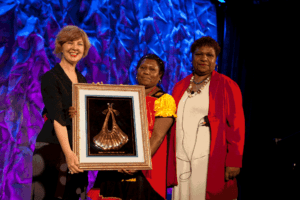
point(56, 174)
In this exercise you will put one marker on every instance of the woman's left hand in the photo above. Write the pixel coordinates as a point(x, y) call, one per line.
point(231, 172)
point(72, 162)
point(129, 172)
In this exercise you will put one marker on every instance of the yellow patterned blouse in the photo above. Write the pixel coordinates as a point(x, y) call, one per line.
point(165, 106)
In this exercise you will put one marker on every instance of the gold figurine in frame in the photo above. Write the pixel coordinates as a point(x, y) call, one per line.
point(110, 130)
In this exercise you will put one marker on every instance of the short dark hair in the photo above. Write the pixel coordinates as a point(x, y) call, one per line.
point(206, 41)
point(159, 61)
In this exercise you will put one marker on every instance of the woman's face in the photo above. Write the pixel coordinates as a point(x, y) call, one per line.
point(73, 51)
point(148, 73)
point(204, 60)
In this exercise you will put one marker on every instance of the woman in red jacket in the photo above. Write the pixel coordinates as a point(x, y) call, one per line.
point(209, 130)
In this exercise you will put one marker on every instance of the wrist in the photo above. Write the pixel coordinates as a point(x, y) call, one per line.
point(67, 152)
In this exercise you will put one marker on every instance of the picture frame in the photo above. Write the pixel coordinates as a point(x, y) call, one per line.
point(110, 129)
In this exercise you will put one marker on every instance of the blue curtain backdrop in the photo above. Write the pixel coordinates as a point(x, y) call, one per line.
point(120, 33)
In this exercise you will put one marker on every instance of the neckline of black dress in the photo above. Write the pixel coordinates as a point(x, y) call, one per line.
point(63, 73)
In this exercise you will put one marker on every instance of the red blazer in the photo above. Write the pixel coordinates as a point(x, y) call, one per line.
point(227, 124)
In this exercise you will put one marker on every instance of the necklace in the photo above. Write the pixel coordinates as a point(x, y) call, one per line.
point(192, 93)
point(151, 91)
point(196, 82)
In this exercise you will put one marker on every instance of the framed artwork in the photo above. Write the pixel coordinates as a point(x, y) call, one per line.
point(110, 129)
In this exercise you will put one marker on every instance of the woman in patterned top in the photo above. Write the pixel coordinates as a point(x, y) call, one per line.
point(145, 184)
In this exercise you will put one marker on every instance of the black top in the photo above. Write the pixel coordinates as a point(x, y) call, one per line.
point(57, 96)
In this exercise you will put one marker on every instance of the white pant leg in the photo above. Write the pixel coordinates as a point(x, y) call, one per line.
point(198, 178)
point(191, 186)
point(182, 190)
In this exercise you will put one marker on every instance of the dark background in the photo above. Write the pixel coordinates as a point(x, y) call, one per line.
point(259, 41)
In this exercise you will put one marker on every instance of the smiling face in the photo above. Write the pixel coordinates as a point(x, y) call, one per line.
point(148, 73)
point(204, 60)
point(72, 51)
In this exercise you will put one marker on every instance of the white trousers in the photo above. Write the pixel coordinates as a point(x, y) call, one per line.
point(191, 185)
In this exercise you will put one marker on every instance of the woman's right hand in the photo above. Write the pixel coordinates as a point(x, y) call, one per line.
point(72, 112)
point(72, 162)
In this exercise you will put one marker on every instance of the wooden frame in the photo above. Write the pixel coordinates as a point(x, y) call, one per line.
point(110, 129)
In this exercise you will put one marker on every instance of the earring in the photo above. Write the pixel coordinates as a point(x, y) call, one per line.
point(136, 77)
point(217, 67)
point(159, 81)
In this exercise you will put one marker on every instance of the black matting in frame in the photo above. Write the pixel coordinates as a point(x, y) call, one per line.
point(95, 121)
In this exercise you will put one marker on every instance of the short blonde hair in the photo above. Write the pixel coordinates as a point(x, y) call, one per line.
point(71, 33)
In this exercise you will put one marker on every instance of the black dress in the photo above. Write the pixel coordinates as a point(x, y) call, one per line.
point(51, 179)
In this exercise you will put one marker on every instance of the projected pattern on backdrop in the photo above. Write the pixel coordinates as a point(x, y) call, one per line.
point(120, 31)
